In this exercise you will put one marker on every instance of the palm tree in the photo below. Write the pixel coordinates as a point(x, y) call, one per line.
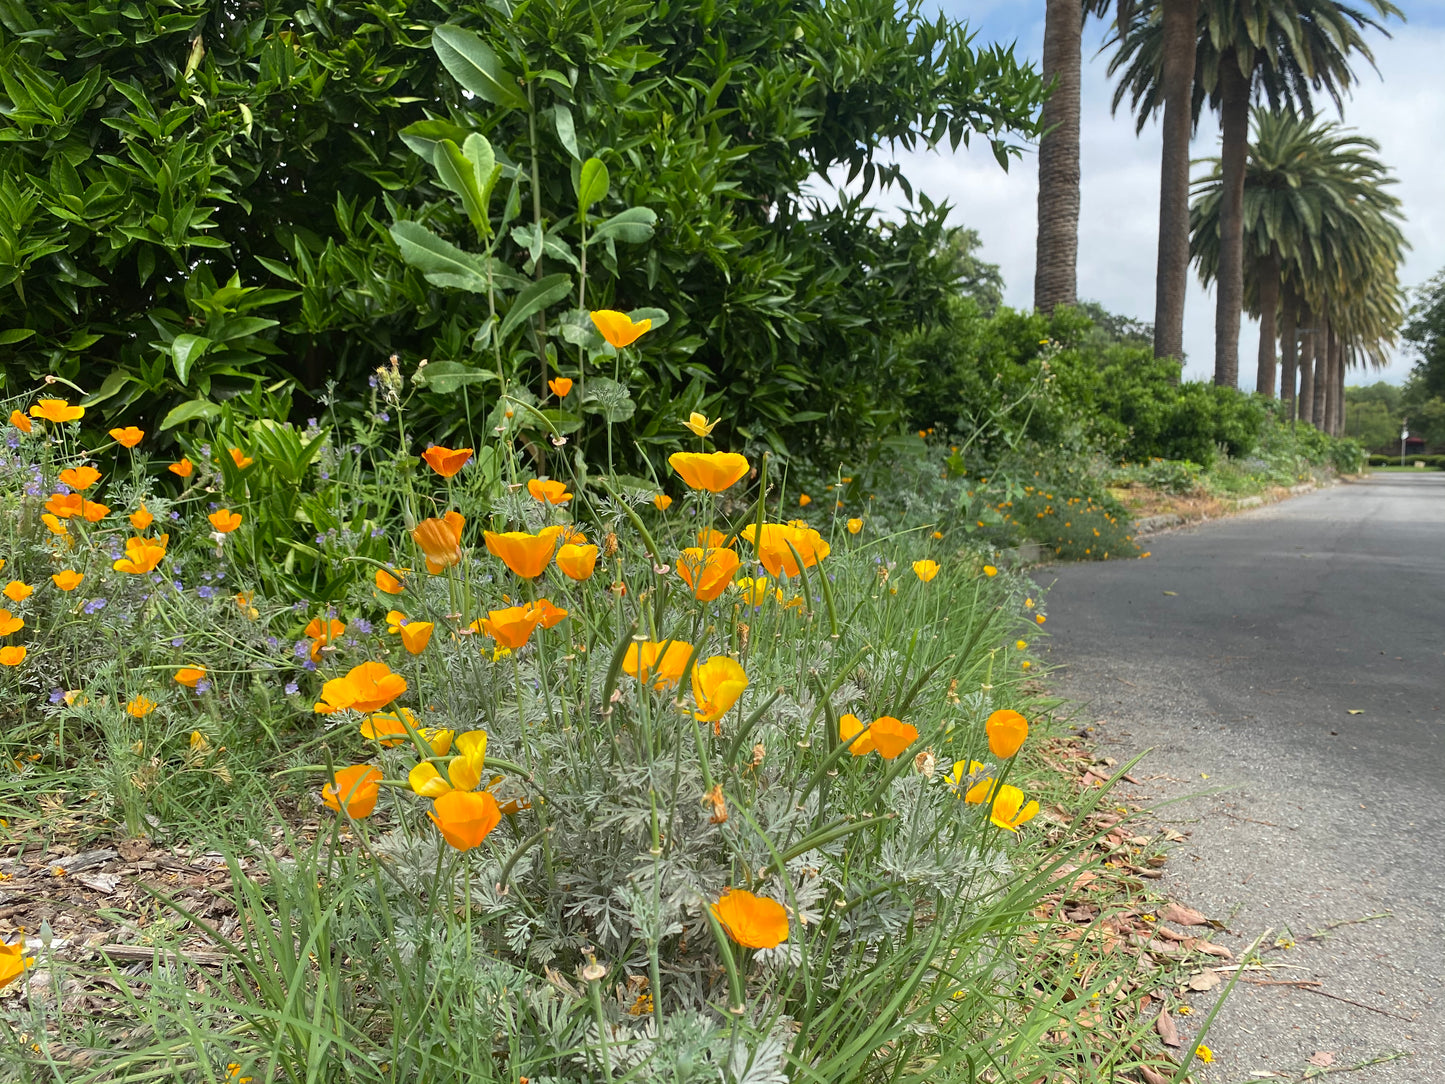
point(1281, 50)
point(1321, 247)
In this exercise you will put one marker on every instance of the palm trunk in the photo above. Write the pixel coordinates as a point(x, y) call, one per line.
point(1229, 297)
point(1339, 429)
point(1323, 350)
point(1288, 330)
point(1172, 275)
point(1268, 304)
point(1306, 402)
point(1057, 255)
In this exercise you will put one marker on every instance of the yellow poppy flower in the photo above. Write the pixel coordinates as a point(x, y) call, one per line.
point(12, 656)
point(712, 471)
point(699, 424)
point(925, 570)
point(1007, 730)
point(525, 554)
point(662, 502)
point(57, 411)
point(617, 327)
point(577, 561)
point(141, 518)
point(67, 579)
point(548, 491)
point(716, 686)
point(854, 526)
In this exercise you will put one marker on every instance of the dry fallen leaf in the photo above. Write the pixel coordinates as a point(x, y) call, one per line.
point(1168, 1035)
point(1182, 916)
point(1321, 1058)
point(1151, 1077)
point(1205, 980)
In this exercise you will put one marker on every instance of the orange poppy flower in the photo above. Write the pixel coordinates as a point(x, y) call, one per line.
point(804, 500)
point(441, 541)
point(94, 512)
point(712, 471)
point(183, 468)
point(54, 524)
point(560, 386)
point(1007, 730)
point(190, 676)
point(241, 459)
point(355, 789)
point(548, 491)
point(64, 505)
point(617, 327)
point(141, 518)
point(662, 502)
point(78, 478)
point(774, 549)
point(322, 629)
point(891, 737)
point(925, 570)
point(368, 687)
point(387, 583)
point(548, 614)
point(855, 525)
point(387, 728)
point(12, 656)
point(465, 818)
point(128, 437)
point(57, 411)
point(752, 921)
point(67, 579)
point(446, 461)
point(649, 661)
point(716, 686)
point(18, 591)
point(13, 962)
point(850, 727)
point(415, 635)
point(577, 561)
point(224, 520)
point(140, 706)
point(10, 623)
point(525, 554)
point(707, 572)
point(1009, 810)
point(511, 627)
point(142, 555)
point(20, 421)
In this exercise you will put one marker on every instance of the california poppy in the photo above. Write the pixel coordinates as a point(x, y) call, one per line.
point(368, 687)
point(990, 571)
point(465, 818)
point(548, 614)
point(712, 471)
point(577, 561)
point(67, 579)
point(13, 962)
point(548, 491)
point(662, 502)
point(752, 921)
point(778, 543)
point(142, 555)
point(389, 728)
point(441, 541)
point(1007, 731)
point(850, 727)
point(415, 635)
point(190, 676)
point(891, 737)
point(387, 583)
point(20, 421)
point(78, 478)
point(241, 459)
point(699, 424)
point(57, 411)
point(183, 468)
point(12, 656)
point(54, 524)
point(224, 520)
point(446, 461)
point(511, 627)
point(128, 437)
point(141, 518)
point(325, 629)
point(1009, 811)
point(10, 623)
point(18, 591)
point(525, 554)
point(716, 686)
point(617, 327)
point(355, 788)
point(140, 706)
point(804, 499)
point(707, 572)
point(465, 769)
point(649, 661)
point(854, 526)
point(64, 505)
point(925, 570)
point(560, 386)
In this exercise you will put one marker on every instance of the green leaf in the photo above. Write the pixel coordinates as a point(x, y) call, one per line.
point(457, 174)
point(112, 384)
point(15, 335)
point(473, 64)
point(566, 130)
point(592, 184)
point(440, 261)
point(185, 350)
point(484, 168)
point(445, 377)
point(632, 226)
point(424, 135)
point(188, 412)
point(535, 298)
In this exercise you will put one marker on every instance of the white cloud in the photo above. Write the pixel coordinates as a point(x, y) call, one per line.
point(1120, 191)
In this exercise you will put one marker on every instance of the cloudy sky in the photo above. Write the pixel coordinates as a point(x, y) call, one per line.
point(1403, 109)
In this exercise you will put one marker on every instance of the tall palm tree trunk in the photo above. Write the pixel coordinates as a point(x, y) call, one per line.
point(1229, 297)
point(1339, 419)
point(1172, 276)
point(1056, 257)
point(1306, 401)
point(1288, 331)
point(1268, 305)
point(1324, 350)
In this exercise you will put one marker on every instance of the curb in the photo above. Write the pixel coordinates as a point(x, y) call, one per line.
point(1154, 524)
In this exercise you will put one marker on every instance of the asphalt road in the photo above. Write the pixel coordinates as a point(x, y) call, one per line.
point(1287, 668)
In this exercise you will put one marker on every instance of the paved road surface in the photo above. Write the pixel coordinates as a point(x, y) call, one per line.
point(1237, 652)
